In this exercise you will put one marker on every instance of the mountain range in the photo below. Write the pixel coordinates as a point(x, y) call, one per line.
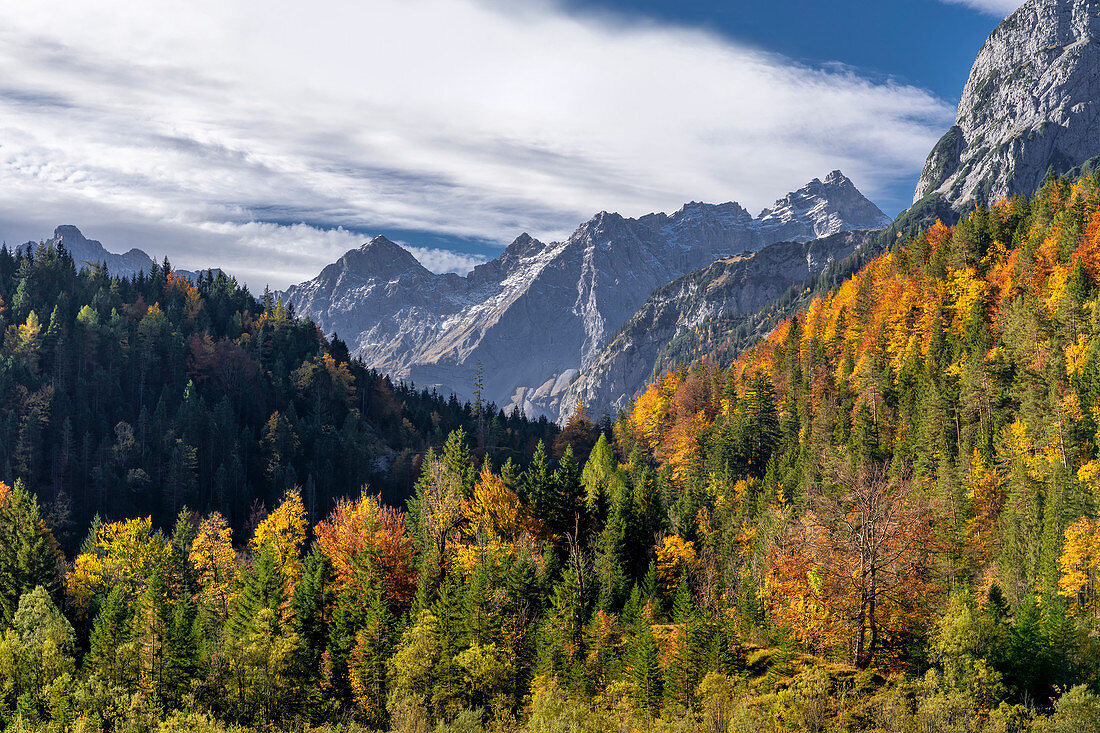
point(547, 327)
point(91, 252)
point(534, 319)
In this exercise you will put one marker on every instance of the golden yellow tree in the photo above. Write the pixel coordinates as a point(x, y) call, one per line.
point(123, 554)
point(1080, 563)
point(285, 531)
point(215, 562)
point(674, 557)
point(495, 522)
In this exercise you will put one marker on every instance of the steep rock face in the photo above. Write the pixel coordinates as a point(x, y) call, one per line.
point(729, 288)
point(1030, 106)
point(538, 314)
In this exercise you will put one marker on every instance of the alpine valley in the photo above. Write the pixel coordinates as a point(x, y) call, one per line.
point(809, 471)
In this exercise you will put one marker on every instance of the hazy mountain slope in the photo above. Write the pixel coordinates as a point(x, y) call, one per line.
point(729, 291)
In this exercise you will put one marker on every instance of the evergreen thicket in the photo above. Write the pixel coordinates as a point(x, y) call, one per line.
point(133, 397)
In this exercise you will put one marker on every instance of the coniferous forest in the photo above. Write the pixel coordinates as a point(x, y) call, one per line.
point(885, 516)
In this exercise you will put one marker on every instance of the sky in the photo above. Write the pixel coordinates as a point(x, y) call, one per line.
point(267, 138)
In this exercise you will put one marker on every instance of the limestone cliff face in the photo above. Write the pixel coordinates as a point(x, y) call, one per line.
point(540, 313)
point(1031, 105)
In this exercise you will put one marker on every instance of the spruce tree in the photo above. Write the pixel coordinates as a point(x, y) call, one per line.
point(262, 587)
point(568, 505)
point(28, 553)
point(113, 652)
point(646, 669)
point(538, 487)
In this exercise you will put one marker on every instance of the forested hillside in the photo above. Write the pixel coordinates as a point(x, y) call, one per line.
point(127, 397)
point(883, 517)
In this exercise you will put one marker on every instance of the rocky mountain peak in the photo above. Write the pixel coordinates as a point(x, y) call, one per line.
point(522, 246)
point(831, 206)
point(1029, 108)
point(67, 233)
point(381, 258)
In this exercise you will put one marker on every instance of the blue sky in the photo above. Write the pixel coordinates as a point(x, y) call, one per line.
point(269, 136)
point(929, 43)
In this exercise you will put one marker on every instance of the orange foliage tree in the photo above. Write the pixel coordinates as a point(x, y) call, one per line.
point(855, 570)
point(366, 537)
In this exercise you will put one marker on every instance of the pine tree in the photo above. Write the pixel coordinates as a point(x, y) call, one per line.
point(309, 609)
point(565, 512)
point(646, 669)
point(263, 587)
point(610, 566)
point(457, 459)
point(367, 663)
point(1027, 663)
point(181, 655)
point(538, 485)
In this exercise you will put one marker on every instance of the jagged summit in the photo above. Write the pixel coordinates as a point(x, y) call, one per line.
point(831, 205)
point(68, 231)
point(383, 257)
point(1029, 108)
point(86, 251)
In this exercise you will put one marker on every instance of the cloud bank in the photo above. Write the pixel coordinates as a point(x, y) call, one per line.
point(998, 8)
point(268, 137)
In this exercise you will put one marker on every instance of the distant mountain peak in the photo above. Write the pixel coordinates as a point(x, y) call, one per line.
point(833, 205)
point(68, 232)
point(381, 242)
point(380, 258)
point(89, 252)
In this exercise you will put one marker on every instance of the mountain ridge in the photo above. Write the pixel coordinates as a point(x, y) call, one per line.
point(538, 314)
point(91, 252)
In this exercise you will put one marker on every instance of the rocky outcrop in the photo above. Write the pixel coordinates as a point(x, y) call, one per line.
point(730, 289)
point(1030, 107)
point(540, 313)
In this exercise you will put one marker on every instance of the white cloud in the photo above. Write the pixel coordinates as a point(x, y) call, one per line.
point(208, 129)
point(444, 260)
point(999, 8)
